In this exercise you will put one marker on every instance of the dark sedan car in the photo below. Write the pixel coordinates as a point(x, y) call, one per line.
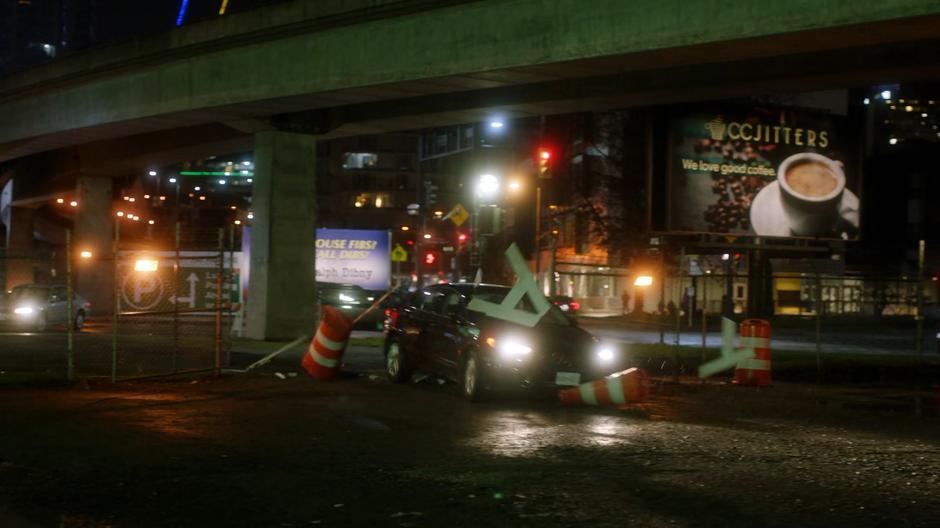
point(436, 332)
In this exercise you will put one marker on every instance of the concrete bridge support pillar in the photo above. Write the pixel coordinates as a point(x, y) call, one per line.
point(20, 250)
point(94, 228)
point(282, 295)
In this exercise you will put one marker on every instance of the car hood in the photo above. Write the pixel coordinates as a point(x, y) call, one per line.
point(544, 338)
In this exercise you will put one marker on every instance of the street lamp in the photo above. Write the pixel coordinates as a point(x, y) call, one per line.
point(487, 187)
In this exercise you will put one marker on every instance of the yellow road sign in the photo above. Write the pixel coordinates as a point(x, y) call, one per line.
point(399, 254)
point(458, 215)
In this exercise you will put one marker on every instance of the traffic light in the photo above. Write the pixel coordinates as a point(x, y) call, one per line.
point(430, 258)
point(543, 159)
point(430, 193)
point(461, 238)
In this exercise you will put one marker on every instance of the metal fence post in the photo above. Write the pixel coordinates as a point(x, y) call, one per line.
point(232, 288)
point(117, 301)
point(218, 303)
point(70, 360)
point(920, 299)
point(176, 296)
point(819, 309)
point(704, 315)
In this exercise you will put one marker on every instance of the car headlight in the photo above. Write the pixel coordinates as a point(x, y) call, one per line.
point(509, 348)
point(346, 298)
point(24, 310)
point(606, 354)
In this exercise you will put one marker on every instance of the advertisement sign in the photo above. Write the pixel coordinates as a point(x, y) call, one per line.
point(762, 171)
point(354, 256)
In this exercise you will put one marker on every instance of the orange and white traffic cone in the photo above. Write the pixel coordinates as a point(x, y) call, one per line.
point(325, 354)
point(622, 388)
point(754, 370)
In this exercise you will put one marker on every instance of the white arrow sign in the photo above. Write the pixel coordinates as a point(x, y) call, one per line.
point(192, 279)
point(729, 356)
point(525, 287)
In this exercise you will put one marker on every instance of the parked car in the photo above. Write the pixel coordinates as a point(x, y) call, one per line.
point(436, 332)
point(40, 306)
point(352, 300)
point(566, 304)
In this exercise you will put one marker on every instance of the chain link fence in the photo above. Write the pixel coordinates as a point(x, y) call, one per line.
point(160, 307)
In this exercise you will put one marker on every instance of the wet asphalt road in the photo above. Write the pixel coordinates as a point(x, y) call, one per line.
point(261, 451)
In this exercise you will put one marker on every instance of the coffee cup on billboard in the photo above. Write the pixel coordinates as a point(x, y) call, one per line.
point(811, 191)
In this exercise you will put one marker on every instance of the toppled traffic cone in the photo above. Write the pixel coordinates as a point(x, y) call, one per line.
point(325, 354)
point(622, 388)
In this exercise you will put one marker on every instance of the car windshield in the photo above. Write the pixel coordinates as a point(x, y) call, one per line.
point(29, 293)
point(497, 294)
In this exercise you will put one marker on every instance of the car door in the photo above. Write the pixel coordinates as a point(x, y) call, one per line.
point(455, 333)
point(447, 333)
point(57, 309)
point(428, 320)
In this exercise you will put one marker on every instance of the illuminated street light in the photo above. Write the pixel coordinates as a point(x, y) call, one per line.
point(163, 198)
point(643, 280)
point(146, 197)
point(427, 235)
point(152, 173)
point(246, 163)
point(514, 186)
point(496, 124)
point(238, 222)
point(85, 254)
point(151, 222)
point(172, 180)
point(120, 213)
point(251, 216)
point(60, 200)
point(487, 186)
point(405, 228)
point(132, 199)
point(221, 182)
point(145, 265)
point(197, 188)
point(73, 203)
point(886, 94)
point(202, 198)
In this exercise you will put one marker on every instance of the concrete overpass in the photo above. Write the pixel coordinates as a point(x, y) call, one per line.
point(281, 77)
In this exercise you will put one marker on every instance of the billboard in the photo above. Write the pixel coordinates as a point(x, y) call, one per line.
point(762, 171)
point(354, 256)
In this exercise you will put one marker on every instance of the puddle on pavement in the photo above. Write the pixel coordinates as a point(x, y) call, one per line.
point(526, 434)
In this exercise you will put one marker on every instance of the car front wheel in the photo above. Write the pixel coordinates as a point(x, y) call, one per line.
point(472, 379)
point(396, 365)
point(79, 320)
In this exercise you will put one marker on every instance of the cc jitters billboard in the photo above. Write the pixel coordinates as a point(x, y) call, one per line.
point(762, 171)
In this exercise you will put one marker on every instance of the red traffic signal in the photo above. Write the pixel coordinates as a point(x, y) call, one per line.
point(430, 257)
point(544, 156)
point(462, 237)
